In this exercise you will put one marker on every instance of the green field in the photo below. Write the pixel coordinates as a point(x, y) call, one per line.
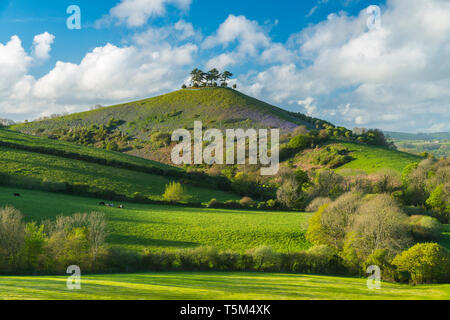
point(158, 227)
point(212, 286)
point(26, 140)
point(55, 169)
point(371, 159)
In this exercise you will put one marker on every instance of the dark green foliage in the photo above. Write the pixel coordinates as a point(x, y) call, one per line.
point(331, 156)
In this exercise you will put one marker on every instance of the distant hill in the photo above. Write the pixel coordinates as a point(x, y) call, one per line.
point(143, 127)
point(418, 136)
point(437, 144)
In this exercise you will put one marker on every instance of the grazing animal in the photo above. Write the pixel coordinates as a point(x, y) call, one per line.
point(120, 206)
point(16, 194)
point(110, 205)
point(102, 204)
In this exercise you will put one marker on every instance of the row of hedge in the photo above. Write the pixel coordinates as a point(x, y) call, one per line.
point(199, 179)
point(84, 190)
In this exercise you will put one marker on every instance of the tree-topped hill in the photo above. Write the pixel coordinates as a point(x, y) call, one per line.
point(144, 127)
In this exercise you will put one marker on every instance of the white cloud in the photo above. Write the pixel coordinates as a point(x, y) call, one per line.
point(396, 77)
point(135, 13)
point(42, 45)
point(164, 36)
point(247, 35)
point(107, 74)
point(309, 106)
point(14, 64)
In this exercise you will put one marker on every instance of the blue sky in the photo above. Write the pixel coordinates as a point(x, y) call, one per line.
point(316, 57)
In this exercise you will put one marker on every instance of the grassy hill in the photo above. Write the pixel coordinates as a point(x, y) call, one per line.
point(223, 107)
point(141, 127)
point(362, 158)
point(157, 227)
point(213, 286)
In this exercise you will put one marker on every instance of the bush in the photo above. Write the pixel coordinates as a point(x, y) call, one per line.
point(386, 182)
point(380, 224)
point(330, 224)
point(112, 146)
point(213, 203)
point(382, 259)
point(265, 259)
point(318, 202)
point(12, 233)
point(319, 259)
point(425, 263)
point(247, 202)
point(201, 258)
point(290, 194)
point(139, 196)
point(160, 139)
point(327, 184)
point(175, 192)
point(439, 202)
point(425, 228)
point(158, 261)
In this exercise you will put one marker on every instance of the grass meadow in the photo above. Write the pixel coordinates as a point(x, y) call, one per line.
point(372, 159)
point(212, 286)
point(159, 227)
point(44, 167)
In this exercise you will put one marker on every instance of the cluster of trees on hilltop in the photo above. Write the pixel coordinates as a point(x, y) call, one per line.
point(200, 78)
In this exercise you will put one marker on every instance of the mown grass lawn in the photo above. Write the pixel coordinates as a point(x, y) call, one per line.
point(212, 286)
point(158, 227)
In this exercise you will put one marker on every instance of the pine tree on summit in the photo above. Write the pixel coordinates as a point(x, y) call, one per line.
point(224, 78)
point(210, 78)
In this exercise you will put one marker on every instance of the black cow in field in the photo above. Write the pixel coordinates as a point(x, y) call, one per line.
point(102, 204)
point(16, 194)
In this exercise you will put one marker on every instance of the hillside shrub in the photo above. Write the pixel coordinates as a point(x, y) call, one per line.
point(439, 202)
point(318, 202)
point(383, 260)
point(425, 228)
point(175, 192)
point(247, 202)
point(380, 224)
point(264, 259)
point(327, 183)
point(425, 263)
point(290, 194)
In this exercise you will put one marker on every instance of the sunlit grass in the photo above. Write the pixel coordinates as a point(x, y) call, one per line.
point(212, 286)
point(158, 227)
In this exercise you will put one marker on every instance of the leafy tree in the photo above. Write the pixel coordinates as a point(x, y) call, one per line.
point(425, 263)
point(212, 76)
point(224, 78)
point(11, 233)
point(35, 239)
point(439, 202)
point(331, 222)
point(97, 232)
point(197, 77)
point(380, 224)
